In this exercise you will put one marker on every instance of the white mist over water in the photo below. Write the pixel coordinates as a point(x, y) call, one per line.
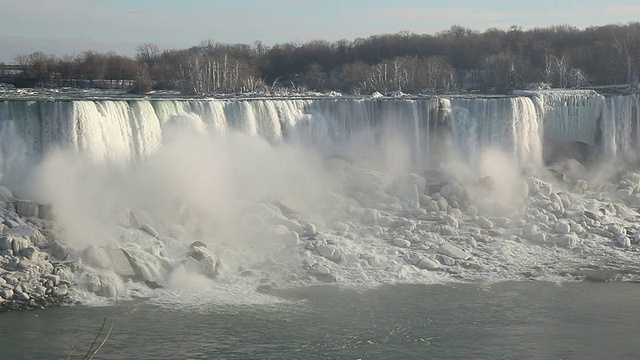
point(301, 191)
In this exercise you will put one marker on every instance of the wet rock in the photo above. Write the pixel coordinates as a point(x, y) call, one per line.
point(6, 294)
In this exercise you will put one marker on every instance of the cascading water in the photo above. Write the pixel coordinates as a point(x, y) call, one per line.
point(619, 124)
point(511, 124)
point(608, 125)
point(254, 180)
point(121, 131)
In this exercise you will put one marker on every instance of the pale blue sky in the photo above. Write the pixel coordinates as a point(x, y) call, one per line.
point(71, 26)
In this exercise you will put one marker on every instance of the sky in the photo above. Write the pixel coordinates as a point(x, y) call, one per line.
point(72, 26)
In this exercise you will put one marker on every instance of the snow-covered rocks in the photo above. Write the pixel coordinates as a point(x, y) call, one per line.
point(401, 243)
point(562, 227)
point(201, 259)
point(427, 264)
point(538, 187)
point(26, 208)
point(453, 252)
point(568, 240)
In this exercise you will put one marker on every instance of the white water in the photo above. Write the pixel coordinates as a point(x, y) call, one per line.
point(214, 171)
point(511, 124)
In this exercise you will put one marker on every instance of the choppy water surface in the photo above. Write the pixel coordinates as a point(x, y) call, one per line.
point(514, 320)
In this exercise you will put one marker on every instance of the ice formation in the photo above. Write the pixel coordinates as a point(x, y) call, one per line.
point(240, 193)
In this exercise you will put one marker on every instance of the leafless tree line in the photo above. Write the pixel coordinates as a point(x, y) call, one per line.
point(455, 59)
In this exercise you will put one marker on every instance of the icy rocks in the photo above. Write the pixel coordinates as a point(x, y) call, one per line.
point(562, 227)
point(453, 252)
point(12, 244)
point(58, 250)
point(427, 264)
point(623, 241)
point(26, 208)
point(201, 260)
point(539, 187)
point(485, 223)
point(402, 243)
point(6, 195)
point(149, 230)
point(329, 252)
point(568, 240)
point(28, 232)
point(370, 216)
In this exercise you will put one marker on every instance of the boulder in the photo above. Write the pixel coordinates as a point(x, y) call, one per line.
point(401, 243)
point(60, 291)
point(6, 294)
point(427, 264)
point(405, 190)
point(149, 230)
point(567, 240)
point(26, 208)
point(6, 195)
point(328, 251)
point(58, 250)
point(485, 223)
point(562, 227)
point(370, 216)
point(446, 260)
point(453, 252)
point(624, 241)
point(201, 260)
point(28, 232)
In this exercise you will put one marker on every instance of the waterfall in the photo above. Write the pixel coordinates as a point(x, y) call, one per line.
point(124, 131)
point(609, 125)
point(511, 124)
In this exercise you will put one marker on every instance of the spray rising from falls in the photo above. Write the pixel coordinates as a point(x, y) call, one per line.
point(252, 192)
point(511, 124)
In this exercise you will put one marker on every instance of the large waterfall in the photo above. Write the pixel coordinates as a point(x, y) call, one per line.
point(122, 131)
point(241, 192)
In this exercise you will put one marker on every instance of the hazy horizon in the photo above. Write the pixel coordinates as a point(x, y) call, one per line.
point(72, 26)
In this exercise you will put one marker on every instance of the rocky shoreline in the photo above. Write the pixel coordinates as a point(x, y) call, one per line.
point(29, 274)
